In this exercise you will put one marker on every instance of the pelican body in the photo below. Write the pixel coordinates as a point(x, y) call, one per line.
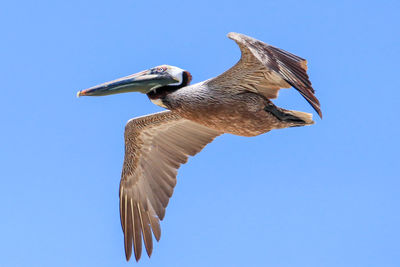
point(236, 102)
point(227, 111)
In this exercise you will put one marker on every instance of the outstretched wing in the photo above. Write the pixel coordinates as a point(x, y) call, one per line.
point(155, 147)
point(265, 69)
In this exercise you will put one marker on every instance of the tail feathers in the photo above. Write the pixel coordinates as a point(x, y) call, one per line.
point(304, 116)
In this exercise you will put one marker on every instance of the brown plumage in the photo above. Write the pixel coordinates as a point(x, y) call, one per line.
point(265, 69)
point(155, 147)
point(233, 102)
point(236, 102)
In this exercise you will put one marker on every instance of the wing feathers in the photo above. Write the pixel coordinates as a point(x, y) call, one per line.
point(155, 147)
point(265, 69)
point(294, 70)
point(155, 224)
point(128, 229)
point(137, 233)
point(146, 231)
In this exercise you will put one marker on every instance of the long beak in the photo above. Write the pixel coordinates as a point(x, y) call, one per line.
point(142, 82)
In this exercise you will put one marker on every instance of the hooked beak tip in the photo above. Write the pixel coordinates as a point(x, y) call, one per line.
point(79, 94)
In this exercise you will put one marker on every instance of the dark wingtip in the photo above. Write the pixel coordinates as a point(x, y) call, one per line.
point(128, 250)
point(137, 256)
point(316, 107)
point(308, 94)
point(315, 104)
point(128, 255)
point(319, 113)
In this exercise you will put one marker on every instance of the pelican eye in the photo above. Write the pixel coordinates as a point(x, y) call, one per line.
point(158, 70)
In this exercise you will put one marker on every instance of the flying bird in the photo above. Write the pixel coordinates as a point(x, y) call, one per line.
point(236, 102)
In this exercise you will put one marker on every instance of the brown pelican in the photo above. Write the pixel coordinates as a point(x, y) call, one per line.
point(236, 102)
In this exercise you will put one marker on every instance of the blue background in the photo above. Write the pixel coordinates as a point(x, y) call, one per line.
point(325, 195)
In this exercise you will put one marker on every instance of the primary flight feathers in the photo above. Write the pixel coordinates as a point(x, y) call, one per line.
point(236, 102)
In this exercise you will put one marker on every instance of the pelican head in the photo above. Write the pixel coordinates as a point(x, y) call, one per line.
point(145, 82)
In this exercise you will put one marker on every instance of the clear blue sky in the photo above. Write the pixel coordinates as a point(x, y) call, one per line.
point(325, 195)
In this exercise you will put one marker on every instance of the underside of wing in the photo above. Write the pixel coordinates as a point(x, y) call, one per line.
point(265, 69)
point(155, 147)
